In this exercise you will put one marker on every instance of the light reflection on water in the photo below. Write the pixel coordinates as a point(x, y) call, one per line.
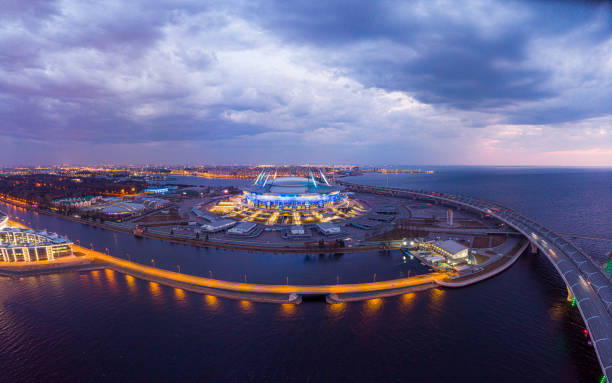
point(212, 302)
point(559, 310)
point(180, 296)
point(372, 306)
point(111, 279)
point(288, 310)
point(131, 283)
point(156, 292)
point(95, 276)
point(246, 306)
point(406, 302)
point(437, 296)
point(336, 309)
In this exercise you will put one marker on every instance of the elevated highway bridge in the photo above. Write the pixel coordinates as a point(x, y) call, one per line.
point(584, 278)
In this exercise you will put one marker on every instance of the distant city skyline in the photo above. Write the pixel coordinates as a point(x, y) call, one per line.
point(514, 83)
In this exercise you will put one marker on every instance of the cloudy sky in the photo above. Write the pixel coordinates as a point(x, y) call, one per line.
point(370, 82)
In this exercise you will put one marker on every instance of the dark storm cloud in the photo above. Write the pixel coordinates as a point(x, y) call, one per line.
point(451, 60)
point(462, 75)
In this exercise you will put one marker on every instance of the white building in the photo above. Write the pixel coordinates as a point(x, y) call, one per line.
point(433, 259)
point(297, 230)
point(328, 228)
point(218, 225)
point(123, 208)
point(243, 228)
point(448, 248)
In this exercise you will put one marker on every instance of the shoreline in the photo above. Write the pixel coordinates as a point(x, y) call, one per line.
point(264, 248)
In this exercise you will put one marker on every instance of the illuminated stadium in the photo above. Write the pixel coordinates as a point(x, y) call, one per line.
point(291, 193)
point(292, 200)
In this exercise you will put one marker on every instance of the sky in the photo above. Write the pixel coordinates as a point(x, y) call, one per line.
point(474, 82)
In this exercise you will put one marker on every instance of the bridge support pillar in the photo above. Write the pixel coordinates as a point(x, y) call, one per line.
point(533, 248)
point(570, 296)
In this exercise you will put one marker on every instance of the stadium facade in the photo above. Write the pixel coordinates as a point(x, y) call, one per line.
point(291, 193)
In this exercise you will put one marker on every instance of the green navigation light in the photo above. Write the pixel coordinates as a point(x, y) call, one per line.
point(608, 266)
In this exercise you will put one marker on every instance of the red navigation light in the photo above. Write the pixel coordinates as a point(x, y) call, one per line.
point(585, 331)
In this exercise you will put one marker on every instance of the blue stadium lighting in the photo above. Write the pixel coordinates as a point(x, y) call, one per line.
point(291, 193)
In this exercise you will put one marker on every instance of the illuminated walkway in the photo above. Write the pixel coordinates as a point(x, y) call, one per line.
point(126, 266)
point(584, 279)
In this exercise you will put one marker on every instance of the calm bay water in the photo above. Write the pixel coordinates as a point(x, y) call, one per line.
point(516, 327)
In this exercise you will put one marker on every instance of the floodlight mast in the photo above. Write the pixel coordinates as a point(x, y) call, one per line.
point(259, 177)
point(314, 182)
point(267, 178)
point(324, 178)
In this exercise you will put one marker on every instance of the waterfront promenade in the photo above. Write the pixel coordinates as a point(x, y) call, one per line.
point(181, 280)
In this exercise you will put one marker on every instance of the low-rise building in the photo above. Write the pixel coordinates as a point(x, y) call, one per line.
point(160, 190)
point(218, 225)
point(198, 213)
point(123, 208)
point(243, 228)
point(447, 248)
point(433, 259)
point(26, 245)
point(328, 228)
point(297, 230)
point(77, 201)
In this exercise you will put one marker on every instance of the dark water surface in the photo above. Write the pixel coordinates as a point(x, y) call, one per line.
point(516, 327)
